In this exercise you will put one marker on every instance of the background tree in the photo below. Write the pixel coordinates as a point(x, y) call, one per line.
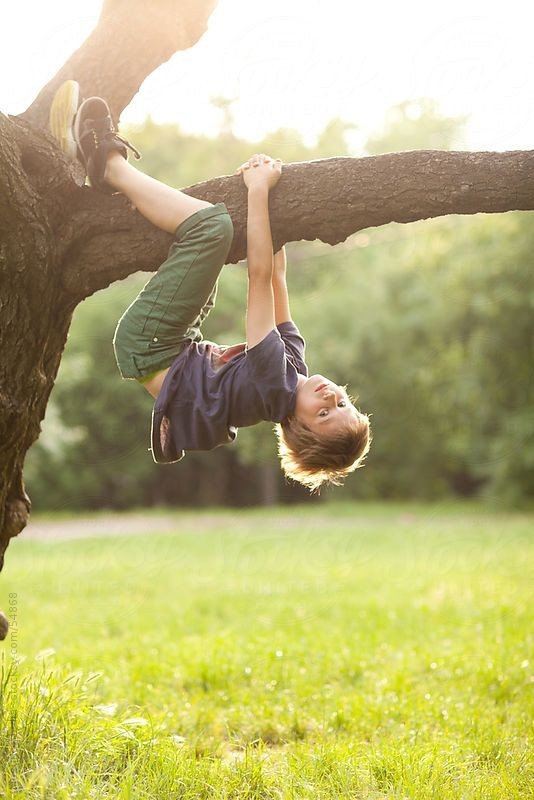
point(62, 242)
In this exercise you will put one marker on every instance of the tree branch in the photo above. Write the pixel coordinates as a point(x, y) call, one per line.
point(132, 38)
point(329, 199)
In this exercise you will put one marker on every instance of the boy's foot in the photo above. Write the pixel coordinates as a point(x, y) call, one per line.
point(96, 137)
point(62, 112)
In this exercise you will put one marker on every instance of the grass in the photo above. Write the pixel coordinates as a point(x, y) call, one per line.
point(333, 651)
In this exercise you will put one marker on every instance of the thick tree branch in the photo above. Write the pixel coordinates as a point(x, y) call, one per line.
point(327, 199)
point(132, 38)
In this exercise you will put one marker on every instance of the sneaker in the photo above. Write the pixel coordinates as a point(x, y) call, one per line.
point(62, 112)
point(95, 137)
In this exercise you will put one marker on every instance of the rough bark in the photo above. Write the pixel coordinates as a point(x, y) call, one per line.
point(60, 242)
point(329, 199)
point(35, 313)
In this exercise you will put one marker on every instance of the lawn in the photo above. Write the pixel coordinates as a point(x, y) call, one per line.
point(326, 651)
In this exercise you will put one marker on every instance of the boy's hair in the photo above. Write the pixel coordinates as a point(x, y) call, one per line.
point(315, 460)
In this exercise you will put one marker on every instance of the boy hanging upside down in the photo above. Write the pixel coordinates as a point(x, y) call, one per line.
point(204, 391)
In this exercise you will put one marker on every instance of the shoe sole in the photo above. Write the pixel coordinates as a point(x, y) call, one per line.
point(62, 114)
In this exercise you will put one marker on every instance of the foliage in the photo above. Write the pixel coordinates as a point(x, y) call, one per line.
point(417, 125)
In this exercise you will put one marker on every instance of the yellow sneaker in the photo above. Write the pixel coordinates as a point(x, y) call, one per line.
point(62, 112)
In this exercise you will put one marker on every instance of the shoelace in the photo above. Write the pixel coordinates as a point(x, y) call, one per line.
point(125, 142)
point(111, 133)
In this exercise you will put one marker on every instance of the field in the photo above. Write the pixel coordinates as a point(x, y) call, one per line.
point(329, 651)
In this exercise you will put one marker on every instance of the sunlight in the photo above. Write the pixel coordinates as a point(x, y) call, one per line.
point(293, 65)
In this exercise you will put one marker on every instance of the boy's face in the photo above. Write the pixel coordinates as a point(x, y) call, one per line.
point(323, 406)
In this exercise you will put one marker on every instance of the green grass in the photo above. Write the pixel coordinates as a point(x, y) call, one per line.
point(333, 651)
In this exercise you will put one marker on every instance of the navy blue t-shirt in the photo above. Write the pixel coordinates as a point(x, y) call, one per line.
point(211, 390)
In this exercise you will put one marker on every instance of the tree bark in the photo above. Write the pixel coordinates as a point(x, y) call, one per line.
point(328, 199)
point(60, 242)
point(35, 314)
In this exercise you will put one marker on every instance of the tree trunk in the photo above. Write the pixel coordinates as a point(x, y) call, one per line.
point(35, 314)
point(60, 242)
point(269, 484)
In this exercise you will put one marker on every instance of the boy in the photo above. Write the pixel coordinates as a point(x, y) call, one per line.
point(203, 391)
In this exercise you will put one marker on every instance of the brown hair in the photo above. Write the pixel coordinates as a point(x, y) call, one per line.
point(315, 460)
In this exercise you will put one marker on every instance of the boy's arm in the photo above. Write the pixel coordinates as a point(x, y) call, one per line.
point(282, 312)
point(260, 302)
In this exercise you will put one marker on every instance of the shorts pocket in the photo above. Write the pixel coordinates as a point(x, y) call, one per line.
point(151, 317)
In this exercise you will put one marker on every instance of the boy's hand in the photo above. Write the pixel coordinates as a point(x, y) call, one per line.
point(260, 170)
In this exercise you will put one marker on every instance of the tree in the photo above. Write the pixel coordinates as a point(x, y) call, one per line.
point(61, 242)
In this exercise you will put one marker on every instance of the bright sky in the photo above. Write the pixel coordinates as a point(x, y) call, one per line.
point(298, 63)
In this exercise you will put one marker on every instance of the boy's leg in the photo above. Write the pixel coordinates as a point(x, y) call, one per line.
point(170, 309)
point(103, 152)
point(162, 205)
point(175, 302)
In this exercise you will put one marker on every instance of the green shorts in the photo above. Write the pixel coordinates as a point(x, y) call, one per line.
point(169, 311)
